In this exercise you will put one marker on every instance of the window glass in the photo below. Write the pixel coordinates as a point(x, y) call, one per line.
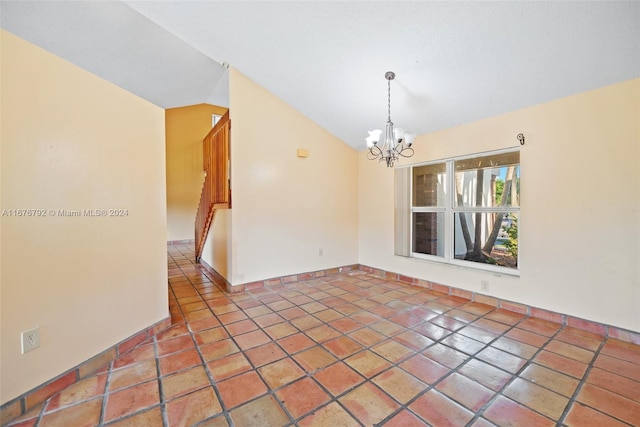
point(428, 185)
point(488, 181)
point(496, 235)
point(428, 233)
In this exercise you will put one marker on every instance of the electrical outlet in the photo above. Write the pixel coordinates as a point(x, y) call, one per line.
point(30, 340)
point(484, 286)
point(320, 252)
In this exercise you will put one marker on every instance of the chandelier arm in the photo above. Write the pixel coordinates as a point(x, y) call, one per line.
point(374, 152)
point(409, 151)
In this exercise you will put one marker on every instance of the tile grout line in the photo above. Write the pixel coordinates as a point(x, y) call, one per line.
point(272, 391)
point(441, 339)
point(582, 383)
point(403, 359)
point(257, 296)
point(432, 386)
point(480, 412)
point(291, 356)
point(41, 413)
point(496, 393)
point(451, 371)
point(369, 348)
point(156, 351)
point(529, 362)
point(486, 345)
point(107, 383)
point(225, 412)
point(341, 360)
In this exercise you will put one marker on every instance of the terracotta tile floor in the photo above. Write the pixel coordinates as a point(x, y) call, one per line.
point(349, 350)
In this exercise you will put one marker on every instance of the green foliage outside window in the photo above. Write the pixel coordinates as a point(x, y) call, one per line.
point(512, 241)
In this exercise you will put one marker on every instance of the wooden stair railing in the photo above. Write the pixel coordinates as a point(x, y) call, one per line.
point(216, 191)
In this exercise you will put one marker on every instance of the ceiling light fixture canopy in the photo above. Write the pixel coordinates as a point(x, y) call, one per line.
point(397, 142)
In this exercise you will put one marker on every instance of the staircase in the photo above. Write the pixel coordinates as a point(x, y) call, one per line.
point(216, 190)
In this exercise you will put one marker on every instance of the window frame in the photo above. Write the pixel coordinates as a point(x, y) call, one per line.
point(449, 210)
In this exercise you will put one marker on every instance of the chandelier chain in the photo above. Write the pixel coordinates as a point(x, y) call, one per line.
point(389, 100)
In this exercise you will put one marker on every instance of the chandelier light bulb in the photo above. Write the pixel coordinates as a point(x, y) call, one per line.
point(373, 138)
point(408, 138)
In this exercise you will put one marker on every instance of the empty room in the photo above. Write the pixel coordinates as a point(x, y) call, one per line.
point(322, 213)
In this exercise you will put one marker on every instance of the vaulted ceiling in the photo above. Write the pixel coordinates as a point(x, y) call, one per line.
point(455, 62)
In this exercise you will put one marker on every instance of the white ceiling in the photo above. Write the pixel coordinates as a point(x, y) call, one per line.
point(455, 62)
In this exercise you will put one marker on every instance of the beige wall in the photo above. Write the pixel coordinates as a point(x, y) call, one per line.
point(580, 213)
point(285, 208)
point(185, 127)
point(70, 140)
point(217, 247)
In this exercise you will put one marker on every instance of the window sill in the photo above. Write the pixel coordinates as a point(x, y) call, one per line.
point(466, 265)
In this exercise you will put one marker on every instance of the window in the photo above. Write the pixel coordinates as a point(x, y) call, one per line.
point(463, 211)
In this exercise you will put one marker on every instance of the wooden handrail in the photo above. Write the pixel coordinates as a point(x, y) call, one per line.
point(216, 190)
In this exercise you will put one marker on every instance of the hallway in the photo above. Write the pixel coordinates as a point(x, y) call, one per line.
point(351, 349)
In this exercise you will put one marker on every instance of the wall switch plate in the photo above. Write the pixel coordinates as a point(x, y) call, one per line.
point(30, 340)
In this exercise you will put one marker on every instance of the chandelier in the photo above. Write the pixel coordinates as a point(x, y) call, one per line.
point(397, 142)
